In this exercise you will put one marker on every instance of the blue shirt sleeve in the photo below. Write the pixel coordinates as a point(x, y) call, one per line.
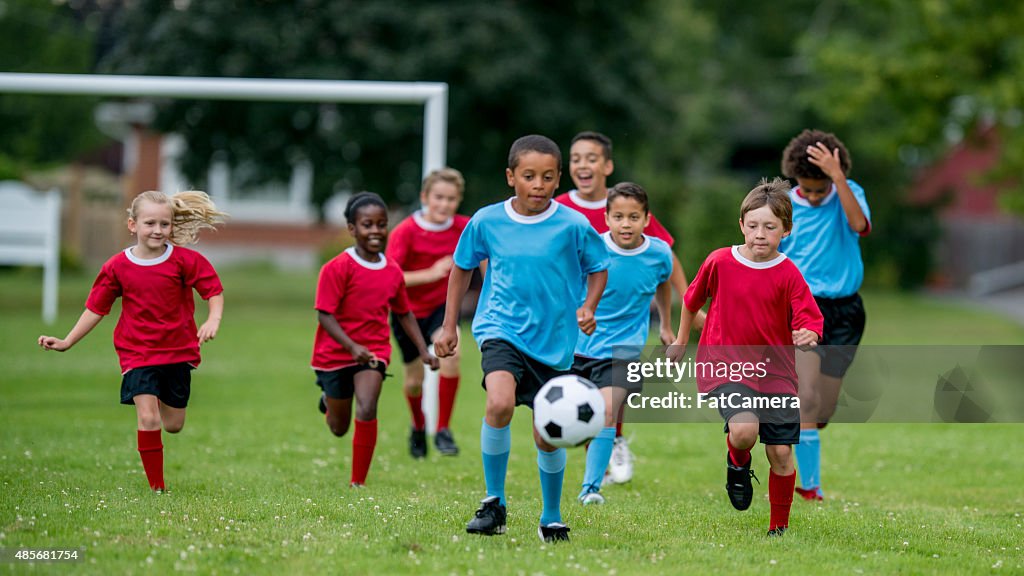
point(858, 193)
point(593, 254)
point(472, 248)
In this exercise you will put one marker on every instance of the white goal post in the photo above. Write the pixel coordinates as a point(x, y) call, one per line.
point(432, 95)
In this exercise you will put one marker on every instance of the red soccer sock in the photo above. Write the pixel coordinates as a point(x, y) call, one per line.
point(447, 386)
point(151, 449)
point(416, 408)
point(780, 496)
point(738, 457)
point(363, 442)
point(618, 420)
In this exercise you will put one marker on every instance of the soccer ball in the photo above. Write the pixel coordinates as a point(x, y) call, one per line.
point(568, 411)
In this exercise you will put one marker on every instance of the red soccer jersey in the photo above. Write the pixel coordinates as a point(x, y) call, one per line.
point(415, 244)
point(594, 211)
point(157, 324)
point(755, 306)
point(358, 294)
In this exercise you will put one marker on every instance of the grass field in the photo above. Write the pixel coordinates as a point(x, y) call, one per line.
point(259, 486)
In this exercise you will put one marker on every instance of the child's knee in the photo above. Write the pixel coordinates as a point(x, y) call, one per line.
point(779, 455)
point(499, 412)
point(742, 435)
point(338, 428)
point(174, 427)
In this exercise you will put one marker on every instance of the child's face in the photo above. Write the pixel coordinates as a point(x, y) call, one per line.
point(152, 225)
point(370, 228)
point(626, 221)
point(814, 189)
point(440, 202)
point(588, 167)
point(534, 180)
point(762, 233)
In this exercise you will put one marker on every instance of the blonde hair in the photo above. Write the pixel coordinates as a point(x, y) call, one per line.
point(192, 211)
point(449, 175)
point(775, 195)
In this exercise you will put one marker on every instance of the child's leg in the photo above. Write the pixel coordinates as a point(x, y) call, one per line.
point(743, 428)
point(151, 448)
point(339, 415)
point(448, 385)
point(781, 481)
point(364, 441)
point(808, 451)
point(495, 434)
point(173, 418)
point(599, 452)
point(413, 388)
point(551, 466)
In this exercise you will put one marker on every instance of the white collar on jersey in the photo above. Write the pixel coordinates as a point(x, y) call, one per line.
point(756, 265)
point(798, 199)
point(574, 195)
point(366, 263)
point(421, 220)
point(607, 236)
point(149, 261)
point(536, 219)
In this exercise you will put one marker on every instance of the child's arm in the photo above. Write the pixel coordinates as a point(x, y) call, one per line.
point(86, 322)
point(408, 322)
point(435, 272)
point(209, 328)
point(596, 282)
point(680, 284)
point(805, 339)
point(678, 347)
point(663, 301)
point(828, 161)
point(448, 339)
point(359, 352)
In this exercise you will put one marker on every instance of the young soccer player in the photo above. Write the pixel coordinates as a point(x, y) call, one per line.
point(830, 214)
point(353, 347)
point(538, 254)
point(760, 305)
point(590, 165)
point(422, 246)
point(640, 268)
point(156, 339)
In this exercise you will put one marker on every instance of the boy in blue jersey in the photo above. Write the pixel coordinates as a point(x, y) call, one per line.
point(830, 214)
point(538, 253)
point(640, 268)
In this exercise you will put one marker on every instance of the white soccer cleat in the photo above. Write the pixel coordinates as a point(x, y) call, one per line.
point(620, 468)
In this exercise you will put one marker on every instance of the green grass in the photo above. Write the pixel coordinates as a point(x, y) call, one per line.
point(258, 485)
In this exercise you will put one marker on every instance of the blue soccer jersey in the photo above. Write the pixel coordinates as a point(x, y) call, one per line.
point(624, 313)
point(823, 246)
point(533, 282)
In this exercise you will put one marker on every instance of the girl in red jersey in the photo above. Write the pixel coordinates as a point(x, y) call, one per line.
point(352, 348)
point(156, 338)
point(761, 307)
point(422, 245)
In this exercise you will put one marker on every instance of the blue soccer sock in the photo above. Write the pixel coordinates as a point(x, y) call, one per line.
point(598, 455)
point(808, 459)
point(495, 445)
point(551, 466)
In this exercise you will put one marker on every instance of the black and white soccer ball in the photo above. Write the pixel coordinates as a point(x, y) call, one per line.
point(568, 411)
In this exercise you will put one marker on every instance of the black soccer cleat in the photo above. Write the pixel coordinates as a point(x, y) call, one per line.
point(445, 443)
point(777, 531)
point(321, 404)
point(554, 532)
point(418, 443)
point(738, 485)
point(489, 519)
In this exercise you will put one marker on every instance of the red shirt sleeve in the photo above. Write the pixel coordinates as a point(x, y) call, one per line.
point(200, 275)
point(398, 244)
point(330, 286)
point(399, 303)
point(701, 286)
point(105, 290)
point(805, 310)
point(655, 229)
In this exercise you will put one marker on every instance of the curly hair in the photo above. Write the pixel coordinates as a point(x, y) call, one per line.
point(795, 163)
point(192, 211)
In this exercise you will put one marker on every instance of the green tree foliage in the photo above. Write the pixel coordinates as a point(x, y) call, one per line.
point(514, 68)
point(41, 130)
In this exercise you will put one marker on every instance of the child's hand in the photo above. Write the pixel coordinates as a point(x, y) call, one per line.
point(586, 321)
point(805, 339)
point(828, 161)
point(442, 267)
point(53, 343)
point(208, 331)
point(431, 361)
point(675, 350)
point(667, 336)
point(446, 341)
point(362, 354)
